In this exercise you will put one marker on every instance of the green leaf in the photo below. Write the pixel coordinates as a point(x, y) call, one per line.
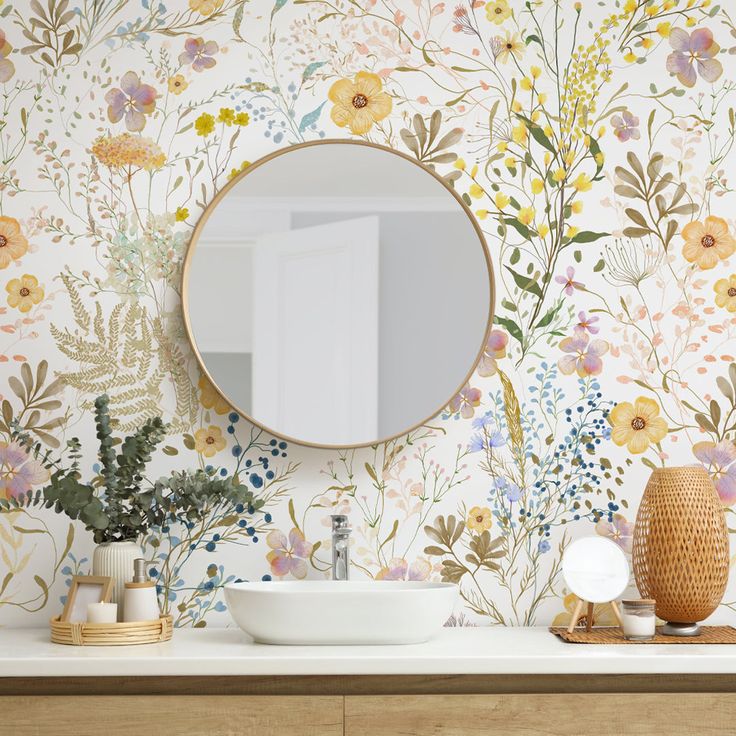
point(310, 118)
point(525, 283)
point(588, 236)
point(520, 228)
point(511, 327)
point(310, 69)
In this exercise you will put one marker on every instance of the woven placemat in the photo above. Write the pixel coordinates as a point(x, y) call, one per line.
point(613, 635)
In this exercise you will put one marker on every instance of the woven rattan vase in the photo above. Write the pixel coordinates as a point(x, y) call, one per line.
point(681, 551)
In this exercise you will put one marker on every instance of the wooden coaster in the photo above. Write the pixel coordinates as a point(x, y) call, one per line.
point(614, 635)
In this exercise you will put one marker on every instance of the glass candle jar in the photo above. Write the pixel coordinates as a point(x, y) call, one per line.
point(639, 619)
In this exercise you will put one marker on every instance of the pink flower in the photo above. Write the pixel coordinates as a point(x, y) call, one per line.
point(198, 53)
point(618, 530)
point(691, 51)
point(719, 460)
point(466, 401)
point(398, 569)
point(626, 126)
point(495, 348)
point(583, 357)
point(586, 323)
point(132, 100)
point(569, 284)
point(19, 472)
point(288, 556)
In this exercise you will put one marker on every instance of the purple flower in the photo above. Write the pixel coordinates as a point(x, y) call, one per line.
point(618, 530)
point(18, 471)
point(691, 51)
point(133, 100)
point(544, 546)
point(569, 284)
point(512, 491)
point(625, 126)
point(719, 460)
point(483, 421)
point(586, 323)
point(399, 569)
point(199, 53)
point(582, 357)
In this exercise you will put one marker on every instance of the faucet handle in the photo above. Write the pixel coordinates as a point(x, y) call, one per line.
point(340, 523)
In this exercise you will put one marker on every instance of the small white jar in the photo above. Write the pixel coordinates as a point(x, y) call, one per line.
point(639, 619)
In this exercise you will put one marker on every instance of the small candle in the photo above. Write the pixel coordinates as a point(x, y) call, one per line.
point(639, 619)
point(102, 613)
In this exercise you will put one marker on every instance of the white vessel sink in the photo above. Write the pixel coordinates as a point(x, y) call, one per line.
point(341, 612)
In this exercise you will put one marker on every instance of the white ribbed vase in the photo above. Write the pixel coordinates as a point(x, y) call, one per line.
point(115, 560)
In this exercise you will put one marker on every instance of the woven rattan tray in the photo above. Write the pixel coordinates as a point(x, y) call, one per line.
point(613, 635)
point(104, 635)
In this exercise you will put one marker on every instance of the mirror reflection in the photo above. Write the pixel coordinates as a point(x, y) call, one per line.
point(337, 294)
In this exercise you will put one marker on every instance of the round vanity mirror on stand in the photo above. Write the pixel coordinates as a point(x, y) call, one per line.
point(338, 293)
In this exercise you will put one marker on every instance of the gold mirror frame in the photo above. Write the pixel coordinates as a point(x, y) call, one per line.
point(233, 183)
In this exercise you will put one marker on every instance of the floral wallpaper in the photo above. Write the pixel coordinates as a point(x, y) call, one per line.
point(593, 142)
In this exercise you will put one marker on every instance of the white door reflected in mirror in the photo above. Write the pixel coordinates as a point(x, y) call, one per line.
point(338, 294)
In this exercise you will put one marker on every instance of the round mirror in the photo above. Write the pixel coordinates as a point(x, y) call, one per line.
point(595, 569)
point(338, 293)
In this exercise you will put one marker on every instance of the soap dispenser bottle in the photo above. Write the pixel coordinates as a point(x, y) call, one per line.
point(141, 601)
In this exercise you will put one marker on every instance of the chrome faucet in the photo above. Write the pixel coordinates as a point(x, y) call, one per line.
point(340, 547)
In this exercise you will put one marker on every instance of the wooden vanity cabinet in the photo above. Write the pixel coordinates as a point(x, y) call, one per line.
point(435, 705)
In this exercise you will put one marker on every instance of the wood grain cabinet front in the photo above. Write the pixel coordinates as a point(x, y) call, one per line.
point(171, 715)
point(608, 714)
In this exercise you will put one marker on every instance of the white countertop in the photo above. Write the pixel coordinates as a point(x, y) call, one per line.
point(29, 653)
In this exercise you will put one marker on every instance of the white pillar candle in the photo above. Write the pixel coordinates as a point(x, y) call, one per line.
point(102, 613)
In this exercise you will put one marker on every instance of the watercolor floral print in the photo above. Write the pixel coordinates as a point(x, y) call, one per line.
point(594, 145)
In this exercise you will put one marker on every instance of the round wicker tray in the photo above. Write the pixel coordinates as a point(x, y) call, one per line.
point(104, 635)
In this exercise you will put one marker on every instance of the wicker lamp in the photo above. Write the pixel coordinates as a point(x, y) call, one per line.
point(681, 551)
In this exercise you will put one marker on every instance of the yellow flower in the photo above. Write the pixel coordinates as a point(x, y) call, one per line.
point(501, 200)
point(508, 47)
point(691, 21)
point(651, 10)
point(647, 43)
point(181, 214)
point(24, 292)
point(205, 7)
point(12, 243)
point(210, 398)
point(475, 191)
point(526, 215)
point(525, 84)
point(479, 519)
point(535, 72)
point(542, 97)
point(227, 116)
point(509, 162)
point(537, 186)
point(638, 425)
point(481, 214)
point(204, 124)
point(497, 11)
point(516, 106)
point(582, 183)
point(234, 172)
point(209, 441)
point(572, 231)
point(602, 614)
point(577, 207)
point(501, 146)
point(559, 175)
point(242, 119)
point(460, 164)
point(126, 150)
point(359, 103)
point(543, 230)
point(177, 84)
point(630, 6)
point(599, 158)
point(664, 29)
point(630, 57)
point(707, 242)
point(726, 292)
point(519, 134)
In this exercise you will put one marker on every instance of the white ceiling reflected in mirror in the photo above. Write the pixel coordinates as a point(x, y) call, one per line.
point(338, 293)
